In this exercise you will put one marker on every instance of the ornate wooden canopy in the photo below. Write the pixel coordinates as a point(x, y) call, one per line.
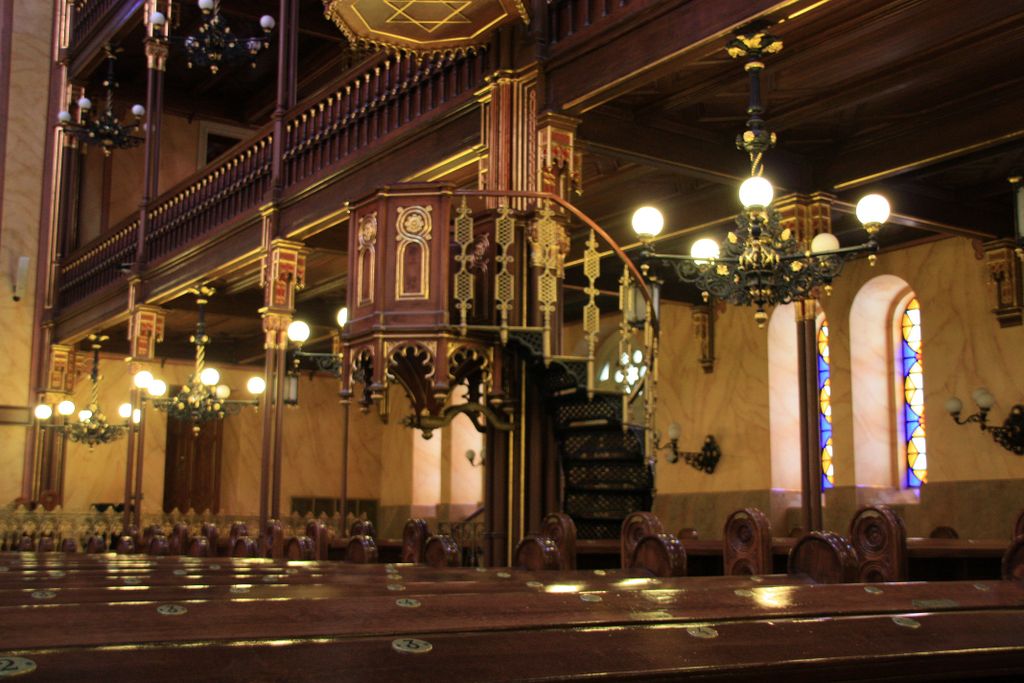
point(422, 26)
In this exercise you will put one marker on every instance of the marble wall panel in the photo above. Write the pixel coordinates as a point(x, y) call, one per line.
point(26, 131)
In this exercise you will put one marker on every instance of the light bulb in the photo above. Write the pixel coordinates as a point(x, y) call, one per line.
point(648, 222)
point(66, 408)
point(954, 405)
point(674, 431)
point(756, 192)
point(824, 241)
point(85, 104)
point(209, 376)
point(206, 5)
point(142, 379)
point(84, 415)
point(125, 410)
point(43, 412)
point(298, 331)
point(267, 22)
point(223, 391)
point(137, 415)
point(983, 398)
point(873, 209)
point(704, 250)
point(157, 19)
point(256, 385)
point(64, 117)
point(157, 388)
point(342, 316)
point(138, 111)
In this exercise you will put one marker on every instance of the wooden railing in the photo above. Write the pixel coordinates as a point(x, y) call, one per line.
point(386, 97)
point(228, 189)
point(88, 16)
point(569, 17)
point(320, 134)
point(99, 263)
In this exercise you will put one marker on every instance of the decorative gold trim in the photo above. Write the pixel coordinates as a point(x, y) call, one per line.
point(413, 229)
point(465, 281)
point(366, 258)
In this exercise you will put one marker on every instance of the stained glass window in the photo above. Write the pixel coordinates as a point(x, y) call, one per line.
point(912, 369)
point(828, 471)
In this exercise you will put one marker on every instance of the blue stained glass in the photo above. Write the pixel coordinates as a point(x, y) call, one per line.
point(825, 408)
point(913, 395)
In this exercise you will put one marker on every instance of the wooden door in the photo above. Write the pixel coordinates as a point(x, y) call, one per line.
point(192, 470)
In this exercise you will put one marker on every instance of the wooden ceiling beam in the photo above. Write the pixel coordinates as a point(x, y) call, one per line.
point(716, 161)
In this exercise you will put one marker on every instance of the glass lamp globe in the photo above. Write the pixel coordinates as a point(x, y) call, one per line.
point(298, 331)
point(342, 316)
point(873, 209)
point(674, 431)
point(43, 412)
point(823, 242)
point(142, 379)
point(157, 19)
point(64, 117)
point(256, 385)
point(84, 415)
point(223, 392)
point(66, 408)
point(756, 192)
point(209, 376)
point(137, 415)
point(206, 5)
point(157, 388)
point(984, 398)
point(267, 22)
point(954, 405)
point(705, 250)
point(85, 104)
point(138, 111)
point(648, 222)
point(125, 410)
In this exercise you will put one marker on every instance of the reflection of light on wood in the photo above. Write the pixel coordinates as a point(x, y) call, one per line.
point(776, 597)
point(564, 588)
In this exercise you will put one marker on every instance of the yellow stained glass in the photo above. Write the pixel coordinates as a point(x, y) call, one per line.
point(912, 369)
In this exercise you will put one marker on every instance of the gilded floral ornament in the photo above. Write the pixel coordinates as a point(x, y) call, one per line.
point(423, 27)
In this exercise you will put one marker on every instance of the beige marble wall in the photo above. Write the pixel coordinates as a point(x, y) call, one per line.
point(26, 131)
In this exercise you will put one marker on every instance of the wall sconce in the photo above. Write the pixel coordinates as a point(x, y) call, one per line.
point(1010, 436)
point(473, 458)
point(706, 459)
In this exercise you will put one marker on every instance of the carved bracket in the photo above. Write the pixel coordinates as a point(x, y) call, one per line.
point(1004, 270)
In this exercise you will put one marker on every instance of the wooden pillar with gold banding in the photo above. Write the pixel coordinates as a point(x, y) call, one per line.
point(145, 331)
point(807, 216)
point(283, 273)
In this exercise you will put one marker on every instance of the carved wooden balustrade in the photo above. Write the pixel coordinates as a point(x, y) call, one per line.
point(17, 522)
point(321, 135)
point(567, 18)
point(89, 15)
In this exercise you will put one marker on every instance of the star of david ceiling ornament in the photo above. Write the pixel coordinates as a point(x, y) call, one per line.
point(423, 27)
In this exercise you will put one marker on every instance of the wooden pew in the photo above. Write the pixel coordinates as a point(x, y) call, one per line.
point(879, 536)
point(552, 548)
point(747, 543)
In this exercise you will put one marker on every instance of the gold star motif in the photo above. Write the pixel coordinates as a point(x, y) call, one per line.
point(428, 15)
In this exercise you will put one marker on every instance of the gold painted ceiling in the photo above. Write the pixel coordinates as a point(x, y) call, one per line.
point(423, 26)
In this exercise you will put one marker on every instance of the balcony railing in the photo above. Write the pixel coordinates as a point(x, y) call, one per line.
point(566, 18)
point(320, 135)
point(88, 16)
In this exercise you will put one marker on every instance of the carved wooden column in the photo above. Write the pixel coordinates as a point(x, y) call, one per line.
point(808, 216)
point(284, 272)
point(156, 66)
point(145, 331)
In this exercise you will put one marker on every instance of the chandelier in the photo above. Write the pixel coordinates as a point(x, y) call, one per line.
point(92, 427)
point(761, 263)
point(104, 129)
point(214, 43)
point(203, 398)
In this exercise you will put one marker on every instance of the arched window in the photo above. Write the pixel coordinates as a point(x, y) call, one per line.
point(911, 368)
point(828, 472)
